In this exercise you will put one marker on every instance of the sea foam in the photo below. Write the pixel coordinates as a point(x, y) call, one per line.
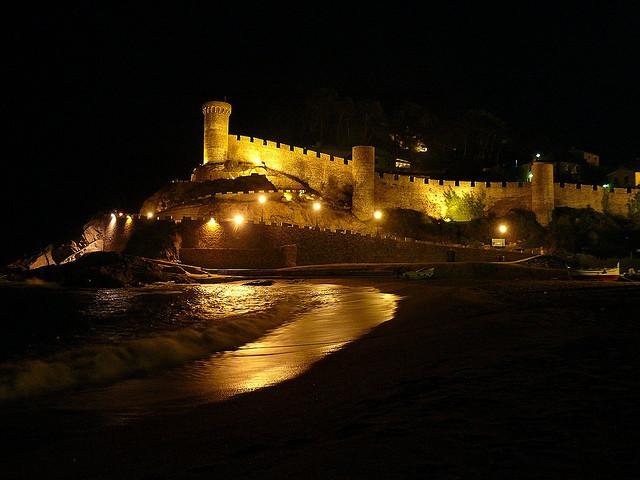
point(110, 362)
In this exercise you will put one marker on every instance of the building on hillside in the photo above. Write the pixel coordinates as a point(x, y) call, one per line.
point(625, 177)
point(403, 164)
point(589, 158)
point(570, 166)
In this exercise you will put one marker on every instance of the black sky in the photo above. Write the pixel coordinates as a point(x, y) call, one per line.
point(102, 104)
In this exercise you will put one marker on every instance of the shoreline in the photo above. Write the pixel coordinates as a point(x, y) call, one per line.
point(463, 381)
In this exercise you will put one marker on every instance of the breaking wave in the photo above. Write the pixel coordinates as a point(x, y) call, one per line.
point(110, 362)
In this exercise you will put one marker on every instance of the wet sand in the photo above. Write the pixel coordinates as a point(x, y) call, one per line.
point(535, 379)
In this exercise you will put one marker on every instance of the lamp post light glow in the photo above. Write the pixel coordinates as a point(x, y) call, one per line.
point(377, 216)
point(238, 220)
point(212, 222)
point(316, 208)
point(262, 200)
point(149, 215)
point(502, 228)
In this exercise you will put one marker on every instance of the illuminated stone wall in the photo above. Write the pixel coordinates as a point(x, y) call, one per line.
point(328, 174)
point(281, 206)
point(427, 195)
point(323, 247)
point(363, 198)
point(216, 131)
point(615, 200)
point(117, 232)
point(354, 180)
point(240, 258)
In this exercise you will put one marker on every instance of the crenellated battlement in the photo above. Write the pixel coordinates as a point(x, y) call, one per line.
point(355, 180)
point(322, 172)
point(283, 147)
point(217, 108)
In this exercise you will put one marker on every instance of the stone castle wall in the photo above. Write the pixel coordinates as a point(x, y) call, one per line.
point(315, 246)
point(324, 173)
point(614, 200)
point(338, 178)
point(328, 174)
point(428, 195)
point(284, 256)
point(281, 206)
point(260, 245)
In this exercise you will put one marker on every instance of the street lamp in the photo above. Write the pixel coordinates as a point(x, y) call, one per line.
point(238, 220)
point(377, 216)
point(502, 228)
point(262, 200)
point(316, 208)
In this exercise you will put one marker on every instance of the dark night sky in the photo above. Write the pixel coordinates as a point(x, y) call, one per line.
point(102, 105)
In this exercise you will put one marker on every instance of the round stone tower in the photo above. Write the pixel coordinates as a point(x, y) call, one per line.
point(363, 169)
point(542, 193)
point(216, 131)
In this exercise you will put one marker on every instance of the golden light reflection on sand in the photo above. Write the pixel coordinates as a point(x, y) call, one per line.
point(291, 349)
point(334, 315)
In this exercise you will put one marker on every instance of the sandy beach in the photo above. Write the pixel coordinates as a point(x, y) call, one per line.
point(534, 379)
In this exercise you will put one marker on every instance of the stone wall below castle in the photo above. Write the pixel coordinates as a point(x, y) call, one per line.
point(316, 247)
point(257, 245)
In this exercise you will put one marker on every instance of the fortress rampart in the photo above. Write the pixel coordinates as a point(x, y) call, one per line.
point(356, 180)
point(427, 195)
point(321, 171)
point(267, 245)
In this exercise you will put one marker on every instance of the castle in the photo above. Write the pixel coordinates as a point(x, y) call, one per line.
point(354, 182)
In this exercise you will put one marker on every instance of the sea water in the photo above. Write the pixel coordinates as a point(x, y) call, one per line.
point(136, 350)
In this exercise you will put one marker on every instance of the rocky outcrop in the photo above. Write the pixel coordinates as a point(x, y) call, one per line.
point(89, 239)
point(110, 270)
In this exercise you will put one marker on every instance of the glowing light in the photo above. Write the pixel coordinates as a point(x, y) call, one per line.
point(606, 185)
point(537, 155)
point(447, 219)
point(377, 214)
point(530, 176)
point(128, 217)
point(502, 228)
point(212, 222)
point(113, 216)
point(120, 214)
point(238, 219)
point(262, 199)
point(317, 206)
point(149, 215)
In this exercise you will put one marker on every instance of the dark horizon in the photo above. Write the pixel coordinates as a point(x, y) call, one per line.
point(105, 104)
